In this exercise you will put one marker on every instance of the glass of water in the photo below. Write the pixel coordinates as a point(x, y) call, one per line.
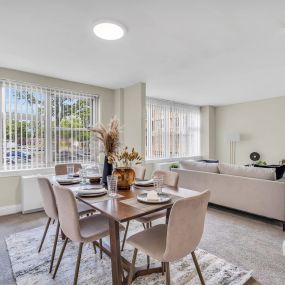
point(112, 182)
point(83, 175)
point(158, 183)
point(70, 170)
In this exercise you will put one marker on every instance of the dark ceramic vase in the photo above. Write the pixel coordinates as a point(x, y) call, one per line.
point(108, 169)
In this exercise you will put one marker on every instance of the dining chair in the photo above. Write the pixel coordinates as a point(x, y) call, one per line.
point(84, 230)
point(168, 243)
point(139, 171)
point(50, 208)
point(169, 179)
point(61, 169)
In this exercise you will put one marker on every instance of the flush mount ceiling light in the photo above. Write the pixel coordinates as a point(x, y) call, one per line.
point(109, 30)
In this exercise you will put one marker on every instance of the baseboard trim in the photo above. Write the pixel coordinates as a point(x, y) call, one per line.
point(11, 209)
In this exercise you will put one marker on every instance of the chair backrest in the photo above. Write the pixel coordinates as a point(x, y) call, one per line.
point(170, 178)
point(186, 226)
point(48, 197)
point(139, 171)
point(67, 212)
point(61, 169)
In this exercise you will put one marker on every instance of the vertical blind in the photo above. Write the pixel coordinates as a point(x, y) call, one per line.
point(43, 126)
point(172, 129)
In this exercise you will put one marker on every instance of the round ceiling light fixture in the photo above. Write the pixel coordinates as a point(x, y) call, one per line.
point(109, 30)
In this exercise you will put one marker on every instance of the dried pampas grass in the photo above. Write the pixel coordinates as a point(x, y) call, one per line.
point(110, 137)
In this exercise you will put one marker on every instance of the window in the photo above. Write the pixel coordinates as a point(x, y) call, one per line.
point(43, 126)
point(172, 129)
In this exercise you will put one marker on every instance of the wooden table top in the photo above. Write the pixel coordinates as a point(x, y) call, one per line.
point(118, 210)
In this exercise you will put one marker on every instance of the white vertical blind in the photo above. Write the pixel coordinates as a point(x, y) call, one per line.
point(42, 126)
point(172, 129)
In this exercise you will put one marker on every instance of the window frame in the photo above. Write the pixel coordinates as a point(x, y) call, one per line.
point(166, 139)
point(50, 162)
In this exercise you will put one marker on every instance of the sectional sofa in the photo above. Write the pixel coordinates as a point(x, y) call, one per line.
point(249, 189)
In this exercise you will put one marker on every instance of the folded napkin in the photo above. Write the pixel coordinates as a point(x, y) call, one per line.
point(152, 196)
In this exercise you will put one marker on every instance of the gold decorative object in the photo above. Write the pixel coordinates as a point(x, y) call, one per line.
point(123, 162)
point(126, 177)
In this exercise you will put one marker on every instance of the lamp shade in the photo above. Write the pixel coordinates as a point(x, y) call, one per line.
point(232, 137)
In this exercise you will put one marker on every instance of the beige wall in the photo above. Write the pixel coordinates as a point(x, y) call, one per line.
point(134, 117)
point(260, 124)
point(10, 186)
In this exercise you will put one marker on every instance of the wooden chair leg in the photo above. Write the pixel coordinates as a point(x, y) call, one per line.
point(132, 269)
point(162, 268)
point(45, 233)
point(94, 246)
point(198, 268)
point(78, 264)
point(101, 251)
point(167, 273)
point(60, 257)
point(54, 247)
point(144, 226)
point(125, 235)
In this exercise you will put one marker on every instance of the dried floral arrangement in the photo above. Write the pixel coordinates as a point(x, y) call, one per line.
point(125, 158)
point(110, 137)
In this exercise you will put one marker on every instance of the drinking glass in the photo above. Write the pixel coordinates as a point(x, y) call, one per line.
point(83, 174)
point(112, 182)
point(158, 183)
point(70, 170)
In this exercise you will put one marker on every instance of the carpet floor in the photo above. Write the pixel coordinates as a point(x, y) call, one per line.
point(30, 267)
point(243, 240)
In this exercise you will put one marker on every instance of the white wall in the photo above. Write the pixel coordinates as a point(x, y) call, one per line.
point(10, 186)
point(261, 125)
point(208, 132)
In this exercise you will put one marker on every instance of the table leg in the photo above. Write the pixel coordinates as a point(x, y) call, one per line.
point(115, 252)
point(167, 215)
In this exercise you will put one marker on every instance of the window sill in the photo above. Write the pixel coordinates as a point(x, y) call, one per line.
point(26, 172)
point(165, 160)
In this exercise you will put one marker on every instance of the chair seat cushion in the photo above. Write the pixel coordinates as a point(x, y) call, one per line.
point(151, 217)
point(94, 227)
point(151, 241)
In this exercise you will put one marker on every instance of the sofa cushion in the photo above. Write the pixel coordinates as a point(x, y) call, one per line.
point(252, 172)
point(199, 166)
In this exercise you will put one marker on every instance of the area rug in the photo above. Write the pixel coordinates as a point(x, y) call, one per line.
point(31, 267)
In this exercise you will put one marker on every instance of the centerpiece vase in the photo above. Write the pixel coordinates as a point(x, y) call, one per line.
point(126, 177)
point(107, 170)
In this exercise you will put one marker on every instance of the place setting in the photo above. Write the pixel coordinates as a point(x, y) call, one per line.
point(154, 194)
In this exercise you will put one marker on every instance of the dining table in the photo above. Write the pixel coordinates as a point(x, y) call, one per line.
point(123, 208)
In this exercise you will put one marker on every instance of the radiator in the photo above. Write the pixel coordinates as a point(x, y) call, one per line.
point(31, 196)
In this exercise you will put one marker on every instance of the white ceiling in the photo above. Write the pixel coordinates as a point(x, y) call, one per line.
point(200, 52)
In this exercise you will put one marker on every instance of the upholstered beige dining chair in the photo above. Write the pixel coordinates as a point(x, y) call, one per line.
point(168, 243)
point(49, 204)
point(61, 169)
point(50, 208)
point(84, 230)
point(170, 179)
point(139, 171)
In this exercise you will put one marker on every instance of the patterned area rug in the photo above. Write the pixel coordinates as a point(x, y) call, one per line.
point(31, 267)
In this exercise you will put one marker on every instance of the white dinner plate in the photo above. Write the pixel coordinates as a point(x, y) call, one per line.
point(162, 198)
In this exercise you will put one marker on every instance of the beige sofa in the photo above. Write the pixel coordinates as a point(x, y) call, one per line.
point(264, 197)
